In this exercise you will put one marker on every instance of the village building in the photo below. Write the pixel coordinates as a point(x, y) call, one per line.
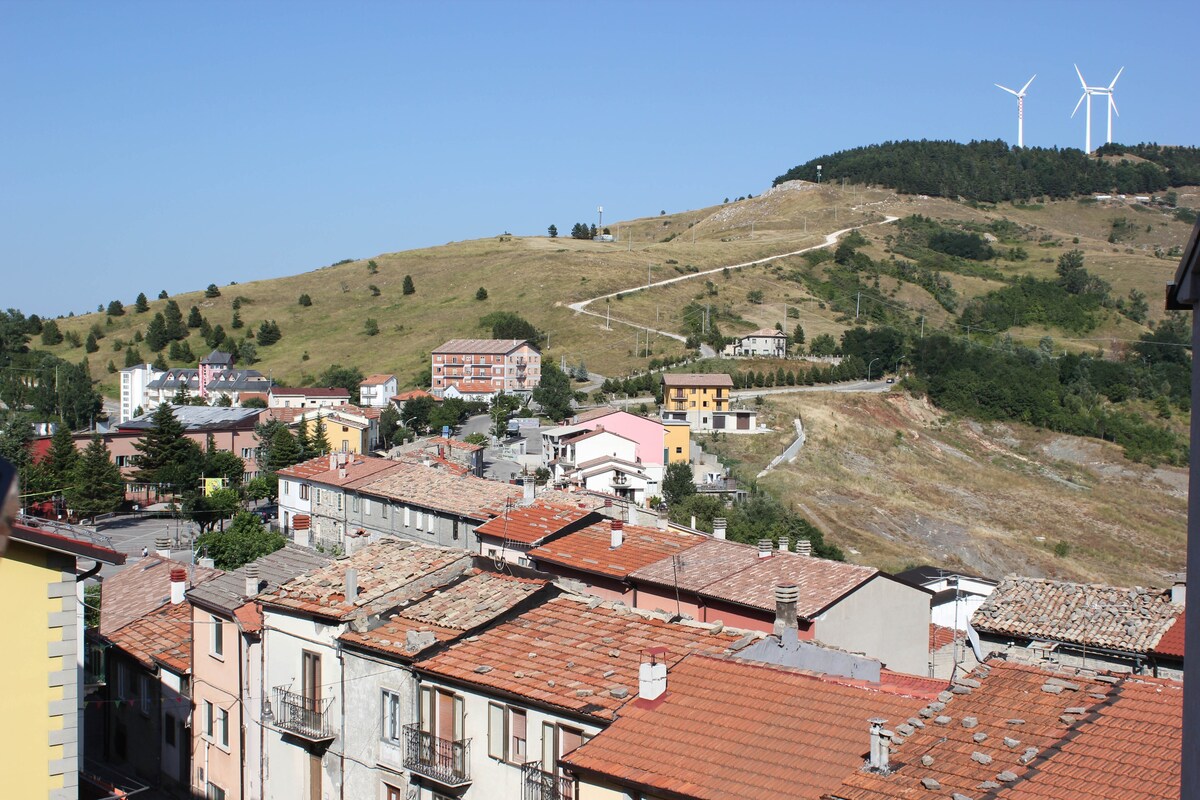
point(765, 342)
point(956, 594)
point(348, 428)
point(41, 590)
point(455, 455)
point(283, 397)
point(704, 401)
point(510, 536)
point(377, 390)
point(477, 369)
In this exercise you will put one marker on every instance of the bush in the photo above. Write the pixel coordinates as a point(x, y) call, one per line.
point(481, 294)
point(371, 327)
point(305, 300)
point(212, 291)
point(409, 287)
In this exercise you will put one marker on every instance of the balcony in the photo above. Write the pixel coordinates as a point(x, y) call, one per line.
point(306, 717)
point(542, 785)
point(441, 760)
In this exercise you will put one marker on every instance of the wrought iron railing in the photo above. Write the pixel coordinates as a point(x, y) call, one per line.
point(445, 761)
point(306, 717)
point(542, 785)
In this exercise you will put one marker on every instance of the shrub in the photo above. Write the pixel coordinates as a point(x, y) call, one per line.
point(212, 291)
point(305, 300)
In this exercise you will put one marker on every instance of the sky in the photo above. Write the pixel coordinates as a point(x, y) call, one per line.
point(149, 146)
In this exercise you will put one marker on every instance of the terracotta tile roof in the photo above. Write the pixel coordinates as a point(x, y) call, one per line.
point(358, 468)
point(1013, 731)
point(1127, 619)
point(465, 495)
point(412, 394)
point(164, 634)
point(573, 653)
point(686, 379)
point(389, 572)
point(227, 591)
point(761, 332)
point(530, 524)
point(472, 346)
point(473, 387)
point(455, 444)
point(448, 612)
point(142, 587)
point(590, 550)
point(732, 571)
point(377, 379)
point(249, 617)
point(940, 636)
point(332, 391)
point(765, 731)
point(1171, 643)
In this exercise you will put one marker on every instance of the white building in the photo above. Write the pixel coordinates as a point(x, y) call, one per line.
point(377, 390)
point(956, 594)
point(762, 342)
point(135, 382)
point(281, 397)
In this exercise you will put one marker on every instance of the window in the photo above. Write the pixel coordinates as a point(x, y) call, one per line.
point(215, 792)
point(345, 445)
point(383, 508)
point(339, 501)
point(454, 529)
point(216, 637)
point(144, 694)
point(284, 486)
point(208, 718)
point(407, 517)
point(223, 727)
point(392, 726)
point(122, 681)
point(496, 726)
point(310, 680)
point(354, 505)
point(678, 451)
point(507, 733)
point(304, 491)
point(516, 735)
point(418, 524)
point(441, 714)
point(366, 505)
point(392, 793)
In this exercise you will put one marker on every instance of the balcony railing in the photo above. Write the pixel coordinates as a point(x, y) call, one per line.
point(306, 717)
point(542, 785)
point(447, 762)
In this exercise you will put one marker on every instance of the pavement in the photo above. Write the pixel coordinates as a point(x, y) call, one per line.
point(131, 532)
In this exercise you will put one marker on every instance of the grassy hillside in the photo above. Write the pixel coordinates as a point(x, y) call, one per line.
point(895, 482)
point(537, 277)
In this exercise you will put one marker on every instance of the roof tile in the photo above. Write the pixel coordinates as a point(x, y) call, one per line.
point(590, 549)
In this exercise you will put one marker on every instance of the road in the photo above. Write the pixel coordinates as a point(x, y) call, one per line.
point(790, 452)
point(581, 307)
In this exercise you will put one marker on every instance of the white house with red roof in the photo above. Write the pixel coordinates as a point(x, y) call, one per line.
point(377, 390)
point(303, 397)
point(766, 342)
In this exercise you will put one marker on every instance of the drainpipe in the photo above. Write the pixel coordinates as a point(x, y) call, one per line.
point(342, 700)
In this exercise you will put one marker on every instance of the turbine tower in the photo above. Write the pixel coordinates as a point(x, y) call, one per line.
point(1020, 109)
point(1088, 91)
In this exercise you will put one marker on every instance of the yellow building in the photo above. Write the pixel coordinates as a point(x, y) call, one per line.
point(696, 393)
point(677, 441)
point(41, 740)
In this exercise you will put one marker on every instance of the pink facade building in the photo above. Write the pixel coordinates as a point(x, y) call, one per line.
point(483, 367)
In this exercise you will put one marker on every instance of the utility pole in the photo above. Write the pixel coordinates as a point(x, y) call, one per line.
point(648, 275)
point(857, 303)
point(608, 318)
point(922, 326)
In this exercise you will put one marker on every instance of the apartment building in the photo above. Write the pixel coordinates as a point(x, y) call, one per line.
point(480, 368)
point(377, 390)
point(765, 342)
point(286, 397)
point(704, 402)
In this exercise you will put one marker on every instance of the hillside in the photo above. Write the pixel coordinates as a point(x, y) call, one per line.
point(537, 277)
point(895, 482)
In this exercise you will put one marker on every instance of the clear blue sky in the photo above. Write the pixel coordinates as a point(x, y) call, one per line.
point(150, 145)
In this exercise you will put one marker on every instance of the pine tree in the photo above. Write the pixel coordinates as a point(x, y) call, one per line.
point(51, 335)
point(166, 455)
point(133, 357)
point(96, 485)
point(90, 344)
point(285, 451)
point(141, 305)
point(194, 320)
point(320, 440)
point(176, 329)
point(236, 322)
point(156, 333)
point(552, 231)
point(116, 309)
point(62, 457)
point(409, 288)
point(303, 440)
point(160, 363)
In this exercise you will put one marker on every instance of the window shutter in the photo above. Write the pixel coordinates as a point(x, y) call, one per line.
point(495, 731)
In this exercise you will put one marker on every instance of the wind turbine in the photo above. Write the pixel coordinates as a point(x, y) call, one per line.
point(1020, 109)
point(1088, 91)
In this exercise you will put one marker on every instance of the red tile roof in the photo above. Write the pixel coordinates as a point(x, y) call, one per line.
point(429, 487)
point(573, 653)
point(940, 636)
point(358, 468)
point(472, 387)
point(163, 635)
point(412, 394)
point(73, 540)
point(594, 413)
point(1016, 731)
point(142, 587)
point(1119, 618)
point(729, 729)
point(390, 571)
point(1171, 643)
point(448, 612)
point(734, 572)
point(377, 379)
point(530, 524)
point(590, 550)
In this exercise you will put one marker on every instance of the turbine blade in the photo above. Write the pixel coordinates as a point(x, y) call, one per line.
point(1005, 88)
point(1113, 103)
point(1026, 86)
point(1114, 81)
point(1077, 105)
point(1080, 74)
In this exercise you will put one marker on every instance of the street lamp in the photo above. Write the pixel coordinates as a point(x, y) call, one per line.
point(898, 360)
point(873, 360)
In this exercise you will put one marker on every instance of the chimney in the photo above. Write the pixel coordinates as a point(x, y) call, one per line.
point(251, 580)
point(178, 583)
point(351, 585)
point(718, 527)
point(693, 526)
point(786, 596)
point(333, 461)
point(342, 473)
point(618, 532)
point(529, 485)
point(783, 544)
point(343, 459)
point(652, 675)
point(663, 520)
point(881, 745)
point(206, 561)
point(804, 547)
point(162, 547)
point(1179, 589)
point(764, 548)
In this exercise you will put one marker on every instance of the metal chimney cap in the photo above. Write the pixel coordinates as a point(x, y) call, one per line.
point(787, 593)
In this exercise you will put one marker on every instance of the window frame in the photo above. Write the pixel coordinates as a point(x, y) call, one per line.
point(143, 687)
point(390, 720)
point(223, 727)
point(216, 638)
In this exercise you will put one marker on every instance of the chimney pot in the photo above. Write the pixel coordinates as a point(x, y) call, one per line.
point(783, 544)
point(162, 547)
point(1179, 589)
point(786, 616)
point(764, 548)
point(663, 521)
point(804, 547)
point(333, 461)
point(251, 580)
point(178, 583)
point(718, 527)
point(529, 487)
point(351, 585)
point(617, 528)
point(652, 678)
point(881, 742)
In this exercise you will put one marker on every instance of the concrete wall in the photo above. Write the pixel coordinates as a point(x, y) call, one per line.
point(216, 680)
point(372, 761)
point(884, 619)
point(39, 738)
point(1064, 655)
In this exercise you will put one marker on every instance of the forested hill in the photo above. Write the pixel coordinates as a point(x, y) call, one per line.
point(992, 171)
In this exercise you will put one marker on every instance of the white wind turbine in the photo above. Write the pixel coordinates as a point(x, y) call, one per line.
point(1020, 109)
point(1088, 91)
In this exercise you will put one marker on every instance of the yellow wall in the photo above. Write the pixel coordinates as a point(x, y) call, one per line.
point(694, 397)
point(678, 436)
point(25, 752)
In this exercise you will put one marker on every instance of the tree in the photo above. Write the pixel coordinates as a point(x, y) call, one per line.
point(823, 345)
point(1137, 308)
point(160, 363)
point(162, 295)
point(503, 406)
point(207, 510)
point(552, 231)
point(284, 450)
point(371, 327)
point(553, 392)
point(409, 288)
point(389, 422)
point(264, 487)
point(305, 300)
point(268, 334)
point(156, 333)
point(62, 458)
point(348, 378)
point(133, 357)
point(798, 338)
point(372, 267)
point(481, 293)
point(247, 352)
point(141, 305)
point(116, 309)
point(51, 335)
point(212, 291)
point(90, 344)
point(176, 329)
point(678, 483)
point(224, 464)
point(320, 438)
point(236, 321)
point(245, 541)
point(417, 412)
point(304, 441)
point(507, 325)
point(166, 455)
point(95, 485)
